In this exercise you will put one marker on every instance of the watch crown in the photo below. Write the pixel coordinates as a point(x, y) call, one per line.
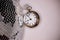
point(27, 7)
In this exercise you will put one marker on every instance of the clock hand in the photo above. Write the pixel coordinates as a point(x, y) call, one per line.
point(29, 17)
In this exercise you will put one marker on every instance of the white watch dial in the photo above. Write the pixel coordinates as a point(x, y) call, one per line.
point(30, 19)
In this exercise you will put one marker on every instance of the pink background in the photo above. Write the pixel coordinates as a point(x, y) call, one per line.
point(48, 29)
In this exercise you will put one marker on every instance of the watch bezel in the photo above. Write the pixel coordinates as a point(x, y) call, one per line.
point(37, 21)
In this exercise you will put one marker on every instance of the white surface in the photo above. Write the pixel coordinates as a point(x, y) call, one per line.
point(48, 27)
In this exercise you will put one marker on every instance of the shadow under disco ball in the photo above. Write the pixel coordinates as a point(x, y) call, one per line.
point(7, 10)
point(10, 22)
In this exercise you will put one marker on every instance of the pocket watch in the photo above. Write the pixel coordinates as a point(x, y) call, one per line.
point(31, 18)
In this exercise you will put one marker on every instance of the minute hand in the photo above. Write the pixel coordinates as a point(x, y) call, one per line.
point(28, 17)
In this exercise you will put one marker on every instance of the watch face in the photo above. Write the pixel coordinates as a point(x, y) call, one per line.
point(31, 19)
